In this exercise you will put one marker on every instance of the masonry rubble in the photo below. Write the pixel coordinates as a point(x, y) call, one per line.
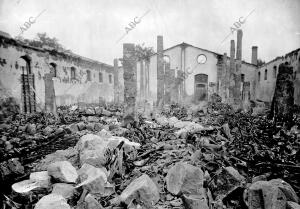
point(195, 160)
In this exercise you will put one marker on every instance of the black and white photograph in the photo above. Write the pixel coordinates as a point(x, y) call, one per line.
point(149, 104)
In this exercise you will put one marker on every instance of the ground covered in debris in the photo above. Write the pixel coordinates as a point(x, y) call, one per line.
point(194, 157)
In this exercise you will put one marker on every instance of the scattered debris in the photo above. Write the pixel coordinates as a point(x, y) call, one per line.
point(212, 158)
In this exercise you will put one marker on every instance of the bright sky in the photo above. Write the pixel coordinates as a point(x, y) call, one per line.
point(91, 28)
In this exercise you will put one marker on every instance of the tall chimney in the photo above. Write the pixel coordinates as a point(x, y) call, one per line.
point(254, 55)
point(160, 70)
point(239, 45)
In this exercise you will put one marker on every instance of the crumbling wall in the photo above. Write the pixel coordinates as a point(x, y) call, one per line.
point(68, 90)
point(265, 88)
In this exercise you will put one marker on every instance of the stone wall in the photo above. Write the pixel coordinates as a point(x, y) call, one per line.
point(85, 85)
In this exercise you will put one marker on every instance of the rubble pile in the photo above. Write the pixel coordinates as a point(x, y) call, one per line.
point(223, 159)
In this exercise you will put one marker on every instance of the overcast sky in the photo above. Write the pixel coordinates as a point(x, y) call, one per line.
point(91, 28)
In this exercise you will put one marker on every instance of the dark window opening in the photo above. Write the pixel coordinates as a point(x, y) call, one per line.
point(53, 69)
point(100, 77)
point(110, 78)
point(266, 74)
point(242, 77)
point(88, 75)
point(73, 73)
point(275, 71)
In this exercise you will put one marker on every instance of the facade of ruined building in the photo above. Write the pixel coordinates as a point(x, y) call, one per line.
point(76, 79)
point(189, 75)
point(266, 76)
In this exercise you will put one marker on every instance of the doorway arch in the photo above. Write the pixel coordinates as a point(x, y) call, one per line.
point(28, 86)
point(201, 87)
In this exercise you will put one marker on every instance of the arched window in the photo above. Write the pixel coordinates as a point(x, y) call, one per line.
point(73, 73)
point(88, 75)
point(110, 78)
point(275, 71)
point(53, 69)
point(258, 76)
point(167, 59)
point(266, 74)
point(100, 77)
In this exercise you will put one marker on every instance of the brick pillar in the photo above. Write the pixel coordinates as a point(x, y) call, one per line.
point(142, 83)
point(50, 103)
point(239, 45)
point(283, 99)
point(219, 75)
point(130, 85)
point(173, 88)
point(238, 90)
point(168, 83)
point(231, 72)
point(254, 55)
point(160, 71)
point(246, 96)
point(116, 81)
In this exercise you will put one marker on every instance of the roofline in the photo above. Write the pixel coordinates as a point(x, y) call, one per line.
point(282, 57)
point(19, 43)
point(215, 53)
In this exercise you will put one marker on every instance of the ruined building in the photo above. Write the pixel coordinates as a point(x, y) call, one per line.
point(188, 74)
point(32, 75)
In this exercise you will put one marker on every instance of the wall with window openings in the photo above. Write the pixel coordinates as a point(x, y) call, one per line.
point(76, 79)
point(267, 74)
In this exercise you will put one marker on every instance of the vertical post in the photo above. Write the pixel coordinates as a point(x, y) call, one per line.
point(142, 88)
point(283, 100)
point(160, 72)
point(130, 85)
point(231, 72)
point(238, 90)
point(168, 83)
point(116, 81)
point(50, 103)
point(254, 55)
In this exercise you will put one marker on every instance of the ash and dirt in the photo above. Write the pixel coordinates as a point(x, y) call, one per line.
point(210, 157)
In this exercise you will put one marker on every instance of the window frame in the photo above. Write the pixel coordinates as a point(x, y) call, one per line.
point(110, 78)
point(100, 73)
point(88, 75)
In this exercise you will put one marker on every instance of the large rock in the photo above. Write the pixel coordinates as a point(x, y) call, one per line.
point(198, 201)
point(11, 168)
point(92, 203)
point(69, 154)
point(143, 189)
point(31, 129)
point(52, 201)
point(63, 189)
point(184, 178)
point(42, 178)
point(47, 131)
point(270, 194)
point(92, 148)
point(286, 189)
point(226, 180)
point(92, 179)
point(263, 195)
point(63, 171)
